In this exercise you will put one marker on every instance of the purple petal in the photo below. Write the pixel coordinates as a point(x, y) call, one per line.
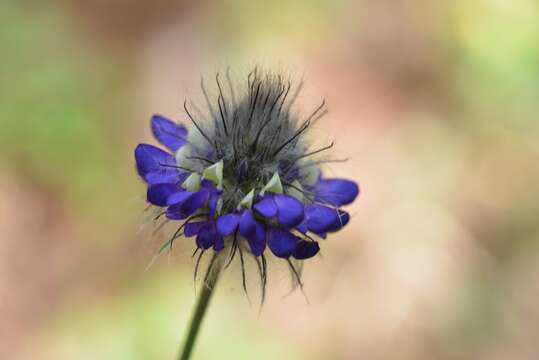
point(339, 222)
point(257, 239)
point(214, 195)
point(159, 193)
point(219, 243)
point(266, 207)
point(194, 202)
point(166, 176)
point(336, 192)
point(306, 249)
point(226, 224)
point(179, 197)
point(168, 133)
point(174, 212)
point(156, 166)
point(149, 158)
point(192, 228)
point(205, 183)
point(206, 236)
point(290, 210)
point(247, 223)
point(281, 242)
point(253, 231)
point(302, 227)
point(213, 202)
point(320, 218)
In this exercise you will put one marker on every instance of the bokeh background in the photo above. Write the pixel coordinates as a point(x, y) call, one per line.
point(435, 103)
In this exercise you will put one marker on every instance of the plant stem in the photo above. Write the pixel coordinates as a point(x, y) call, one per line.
point(210, 280)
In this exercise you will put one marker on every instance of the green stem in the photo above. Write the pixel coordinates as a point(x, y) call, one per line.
point(210, 280)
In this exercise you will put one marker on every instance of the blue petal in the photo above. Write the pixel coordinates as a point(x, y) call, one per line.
point(247, 223)
point(184, 203)
point(319, 218)
point(149, 158)
point(306, 249)
point(179, 197)
point(166, 176)
point(219, 243)
point(215, 194)
point(175, 212)
point(157, 166)
point(257, 239)
point(159, 193)
point(192, 228)
point(290, 210)
point(208, 184)
point(281, 242)
point(336, 192)
point(253, 231)
point(168, 133)
point(206, 236)
point(194, 202)
point(212, 203)
point(266, 207)
point(339, 222)
point(302, 227)
point(226, 224)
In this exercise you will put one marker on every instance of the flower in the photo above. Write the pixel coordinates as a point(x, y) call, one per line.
point(243, 177)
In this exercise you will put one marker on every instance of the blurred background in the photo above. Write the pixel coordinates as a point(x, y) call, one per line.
point(434, 103)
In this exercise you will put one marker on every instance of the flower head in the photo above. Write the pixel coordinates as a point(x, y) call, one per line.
point(243, 176)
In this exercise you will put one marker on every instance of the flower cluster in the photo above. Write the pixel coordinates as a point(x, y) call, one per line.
point(244, 177)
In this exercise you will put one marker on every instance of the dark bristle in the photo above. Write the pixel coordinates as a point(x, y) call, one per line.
point(262, 270)
point(296, 94)
point(231, 87)
point(221, 104)
point(169, 243)
point(296, 275)
point(268, 119)
point(207, 98)
point(159, 227)
point(177, 234)
point(264, 278)
point(243, 277)
point(307, 194)
point(320, 107)
point(253, 105)
point(255, 134)
point(325, 161)
point(304, 127)
point(200, 158)
point(195, 123)
point(176, 167)
point(232, 250)
point(284, 99)
point(159, 215)
point(315, 152)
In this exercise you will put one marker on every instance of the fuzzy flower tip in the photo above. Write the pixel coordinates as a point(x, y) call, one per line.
point(243, 177)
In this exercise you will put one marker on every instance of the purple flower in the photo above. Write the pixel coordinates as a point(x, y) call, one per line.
point(245, 179)
point(285, 209)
